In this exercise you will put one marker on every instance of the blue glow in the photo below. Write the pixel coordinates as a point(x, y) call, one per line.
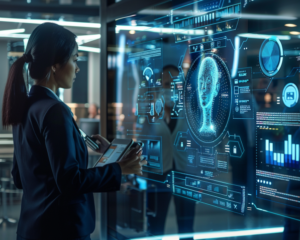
point(290, 95)
point(263, 36)
point(208, 88)
point(270, 56)
point(236, 56)
point(220, 234)
point(263, 210)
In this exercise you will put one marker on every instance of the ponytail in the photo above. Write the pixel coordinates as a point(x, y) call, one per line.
point(48, 44)
point(15, 94)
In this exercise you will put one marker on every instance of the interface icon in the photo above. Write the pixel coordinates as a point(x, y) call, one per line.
point(148, 73)
point(290, 95)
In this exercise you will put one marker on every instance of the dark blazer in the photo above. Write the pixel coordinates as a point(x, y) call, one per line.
point(50, 165)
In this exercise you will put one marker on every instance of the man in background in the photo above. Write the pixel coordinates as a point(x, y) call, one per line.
point(94, 112)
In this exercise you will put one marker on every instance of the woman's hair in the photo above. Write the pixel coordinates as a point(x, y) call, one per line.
point(48, 44)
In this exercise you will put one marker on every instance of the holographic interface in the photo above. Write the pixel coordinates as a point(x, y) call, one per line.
point(211, 87)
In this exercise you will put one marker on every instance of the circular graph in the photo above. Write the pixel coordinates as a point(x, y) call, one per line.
point(207, 98)
point(290, 95)
point(270, 56)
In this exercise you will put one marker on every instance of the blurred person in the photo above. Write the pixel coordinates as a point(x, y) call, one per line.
point(172, 160)
point(50, 157)
point(94, 111)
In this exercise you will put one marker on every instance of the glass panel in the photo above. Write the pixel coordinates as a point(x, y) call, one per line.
point(211, 88)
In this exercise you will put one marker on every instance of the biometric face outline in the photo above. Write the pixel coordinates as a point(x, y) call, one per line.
point(207, 82)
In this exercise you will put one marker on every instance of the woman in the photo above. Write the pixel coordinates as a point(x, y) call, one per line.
point(50, 158)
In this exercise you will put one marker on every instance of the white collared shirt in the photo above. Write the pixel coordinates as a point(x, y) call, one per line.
point(56, 97)
point(52, 93)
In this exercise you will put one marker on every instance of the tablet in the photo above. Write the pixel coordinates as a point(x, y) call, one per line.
point(114, 152)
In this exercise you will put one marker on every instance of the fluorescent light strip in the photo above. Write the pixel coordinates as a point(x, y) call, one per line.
point(87, 38)
point(80, 39)
point(92, 36)
point(220, 234)
point(259, 16)
point(89, 49)
point(19, 30)
point(62, 23)
point(15, 35)
point(263, 36)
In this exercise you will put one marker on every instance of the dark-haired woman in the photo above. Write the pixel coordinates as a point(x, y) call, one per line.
point(50, 158)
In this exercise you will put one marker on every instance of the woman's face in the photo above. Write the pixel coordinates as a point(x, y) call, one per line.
point(65, 75)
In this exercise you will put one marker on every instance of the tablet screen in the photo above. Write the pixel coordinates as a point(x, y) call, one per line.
point(112, 155)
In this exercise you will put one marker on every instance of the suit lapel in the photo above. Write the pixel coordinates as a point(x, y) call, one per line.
point(76, 125)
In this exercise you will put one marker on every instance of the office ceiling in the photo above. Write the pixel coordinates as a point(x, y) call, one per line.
point(83, 11)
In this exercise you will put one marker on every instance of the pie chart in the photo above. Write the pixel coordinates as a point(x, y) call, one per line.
point(270, 56)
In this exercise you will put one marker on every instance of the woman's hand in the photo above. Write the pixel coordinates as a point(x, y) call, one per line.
point(131, 163)
point(102, 143)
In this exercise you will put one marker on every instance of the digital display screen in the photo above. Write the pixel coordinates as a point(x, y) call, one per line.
point(211, 88)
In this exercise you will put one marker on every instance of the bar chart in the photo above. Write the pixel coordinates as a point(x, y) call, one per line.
point(288, 158)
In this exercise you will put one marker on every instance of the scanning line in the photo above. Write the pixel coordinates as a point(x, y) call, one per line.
point(259, 209)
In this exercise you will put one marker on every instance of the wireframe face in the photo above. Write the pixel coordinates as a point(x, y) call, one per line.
point(207, 82)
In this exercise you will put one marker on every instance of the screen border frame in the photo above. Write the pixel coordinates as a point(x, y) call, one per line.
point(109, 12)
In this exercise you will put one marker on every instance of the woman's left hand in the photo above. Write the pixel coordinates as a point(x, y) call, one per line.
point(102, 143)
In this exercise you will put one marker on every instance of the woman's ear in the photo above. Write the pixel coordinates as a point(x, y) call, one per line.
point(53, 69)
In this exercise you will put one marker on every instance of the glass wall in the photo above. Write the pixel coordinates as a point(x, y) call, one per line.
point(211, 88)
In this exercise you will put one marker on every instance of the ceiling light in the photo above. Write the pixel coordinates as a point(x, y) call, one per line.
point(62, 23)
point(263, 36)
point(295, 33)
point(89, 49)
point(87, 38)
point(290, 25)
point(19, 30)
point(21, 36)
point(132, 32)
point(91, 36)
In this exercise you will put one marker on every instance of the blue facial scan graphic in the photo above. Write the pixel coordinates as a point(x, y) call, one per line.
point(207, 98)
point(208, 88)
